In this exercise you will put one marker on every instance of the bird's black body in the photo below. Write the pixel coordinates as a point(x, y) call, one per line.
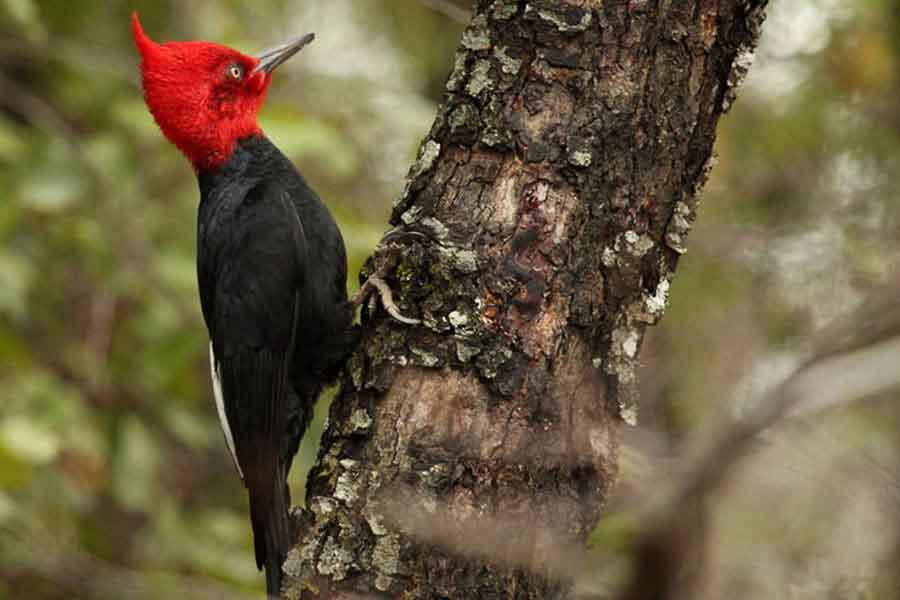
point(272, 271)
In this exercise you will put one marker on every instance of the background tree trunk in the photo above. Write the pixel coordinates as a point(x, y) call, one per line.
point(470, 456)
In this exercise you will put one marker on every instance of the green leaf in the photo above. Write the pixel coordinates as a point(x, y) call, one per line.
point(26, 14)
point(51, 189)
point(135, 468)
point(16, 275)
point(7, 508)
point(303, 137)
point(12, 144)
point(28, 440)
point(15, 473)
point(193, 431)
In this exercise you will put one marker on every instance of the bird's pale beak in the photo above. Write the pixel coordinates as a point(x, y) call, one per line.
point(271, 58)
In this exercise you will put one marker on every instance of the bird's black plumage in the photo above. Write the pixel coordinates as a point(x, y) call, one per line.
point(272, 271)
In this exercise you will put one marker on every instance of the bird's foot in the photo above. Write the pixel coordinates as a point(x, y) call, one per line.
point(385, 258)
point(377, 284)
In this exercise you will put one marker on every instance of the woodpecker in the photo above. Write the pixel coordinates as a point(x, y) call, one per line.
point(271, 266)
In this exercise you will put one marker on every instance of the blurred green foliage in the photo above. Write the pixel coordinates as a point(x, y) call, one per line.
point(800, 221)
point(112, 466)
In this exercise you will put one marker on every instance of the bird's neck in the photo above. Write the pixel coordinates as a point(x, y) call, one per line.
point(209, 148)
point(251, 158)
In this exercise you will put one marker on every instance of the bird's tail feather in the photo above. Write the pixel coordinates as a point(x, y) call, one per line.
point(271, 530)
point(255, 389)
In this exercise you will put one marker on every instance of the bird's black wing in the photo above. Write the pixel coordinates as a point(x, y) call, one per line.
point(251, 261)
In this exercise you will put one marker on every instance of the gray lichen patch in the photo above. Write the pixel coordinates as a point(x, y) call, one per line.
point(480, 79)
point(477, 36)
point(491, 360)
point(608, 257)
point(436, 323)
point(463, 326)
point(675, 241)
point(571, 20)
point(580, 158)
point(403, 199)
point(623, 370)
point(375, 520)
point(625, 341)
point(492, 137)
point(348, 486)
point(503, 10)
point(744, 56)
point(458, 319)
point(628, 412)
point(334, 561)
point(650, 307)
point(386, 555)
point(463, 122)
point(437, 229)
point(321, 505)
point(428, 153)
point(301, 558)
point(466, 352)
point(459, 72)
point(464, 261)
point(383, 582)
point(360, 421)
point(508, 64)
point(293, 566)
point(679, 227)
point(637, 244)
point(655, 304)
point(629, 244)
point(739, 69)
point(424, 357)
point(412, 215)
point(622, 364)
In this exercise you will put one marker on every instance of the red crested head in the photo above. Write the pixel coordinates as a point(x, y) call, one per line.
point(205, 96)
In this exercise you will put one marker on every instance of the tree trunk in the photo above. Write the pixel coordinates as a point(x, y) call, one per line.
point(470, 456)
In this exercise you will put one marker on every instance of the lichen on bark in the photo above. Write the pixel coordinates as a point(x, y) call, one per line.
point(549, 203)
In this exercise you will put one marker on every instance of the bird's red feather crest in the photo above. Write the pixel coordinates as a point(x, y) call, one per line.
point(196, 106)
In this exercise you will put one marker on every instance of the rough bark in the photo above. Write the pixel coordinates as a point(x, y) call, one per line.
point(470, 456)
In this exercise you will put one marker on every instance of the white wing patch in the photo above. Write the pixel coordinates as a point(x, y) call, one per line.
point(220, 407)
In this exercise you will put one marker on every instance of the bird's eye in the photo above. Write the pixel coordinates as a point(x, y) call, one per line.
point(234, 71)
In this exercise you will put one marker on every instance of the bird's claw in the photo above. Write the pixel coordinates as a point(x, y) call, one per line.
point(385, 258)
point(387, 298)
point(397, 234)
